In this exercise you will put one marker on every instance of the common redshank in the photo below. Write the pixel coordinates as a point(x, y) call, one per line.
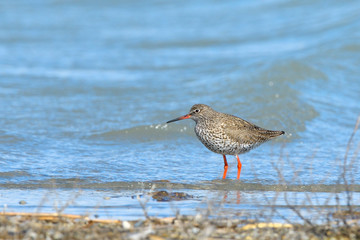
point(226, 134)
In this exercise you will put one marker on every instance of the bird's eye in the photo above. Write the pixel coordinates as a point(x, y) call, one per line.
point(197, 110)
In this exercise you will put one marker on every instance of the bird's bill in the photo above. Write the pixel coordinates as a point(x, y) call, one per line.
point(180, 118)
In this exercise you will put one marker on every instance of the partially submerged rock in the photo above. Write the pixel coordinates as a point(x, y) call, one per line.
point(164, 196)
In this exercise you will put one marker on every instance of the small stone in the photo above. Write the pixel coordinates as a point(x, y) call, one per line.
point(195, 230)
point(126, 225)
point(154, 237)
point(58, 235)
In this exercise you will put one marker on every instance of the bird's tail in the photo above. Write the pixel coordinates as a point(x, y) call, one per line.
point(273, 134)
point(268, 134)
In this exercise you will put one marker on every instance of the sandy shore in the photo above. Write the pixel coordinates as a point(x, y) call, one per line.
point(54, 226)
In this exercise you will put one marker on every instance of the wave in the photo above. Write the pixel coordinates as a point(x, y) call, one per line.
point(228, 185)
point(12, 174)
point(144, 133)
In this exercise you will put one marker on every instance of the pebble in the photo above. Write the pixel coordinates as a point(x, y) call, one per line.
point(126, 225)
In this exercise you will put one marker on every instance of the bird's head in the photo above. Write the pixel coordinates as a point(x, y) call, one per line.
point(196, 113)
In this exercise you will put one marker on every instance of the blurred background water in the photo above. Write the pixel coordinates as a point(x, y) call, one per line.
point(87, 86)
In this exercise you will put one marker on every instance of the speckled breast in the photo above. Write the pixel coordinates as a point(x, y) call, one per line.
point(217, 141)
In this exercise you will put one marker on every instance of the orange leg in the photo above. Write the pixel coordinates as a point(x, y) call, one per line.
point(225, 167)
point(239, 167)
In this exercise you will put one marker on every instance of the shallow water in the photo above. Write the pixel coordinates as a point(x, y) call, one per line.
point(86, 88)
point(133, 204)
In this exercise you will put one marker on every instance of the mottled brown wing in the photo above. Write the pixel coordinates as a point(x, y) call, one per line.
point(246, 132)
